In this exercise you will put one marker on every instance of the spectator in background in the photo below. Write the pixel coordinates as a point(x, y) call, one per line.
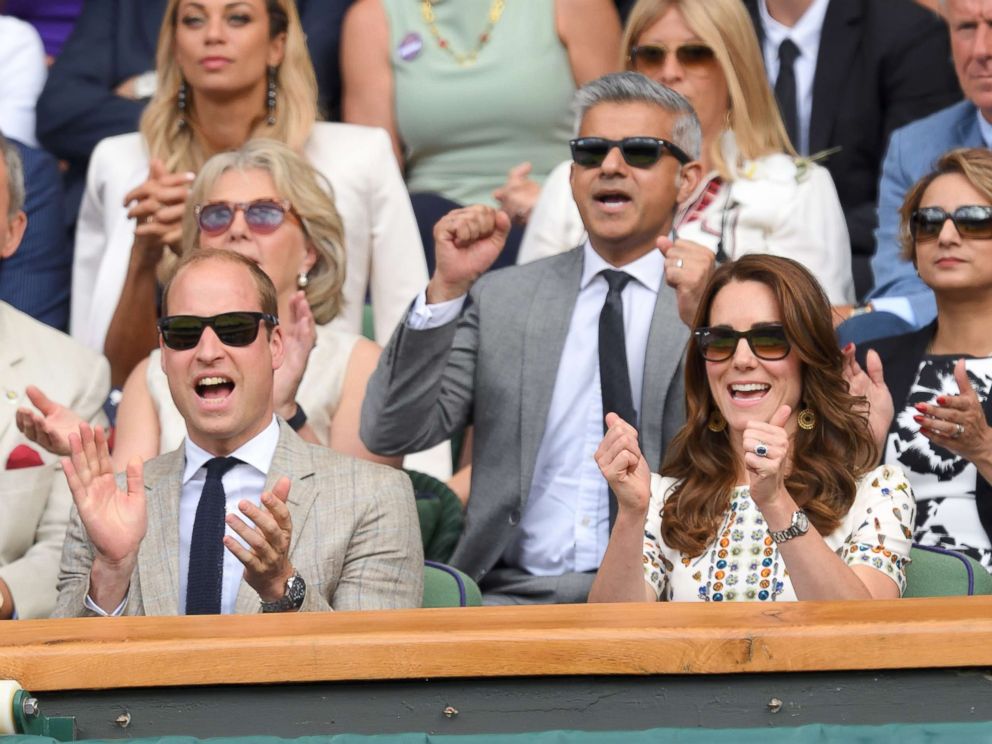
point(36, 279)
point(861, 69)
point(105, 76)
point(34, 498)
point(225, 76)
point(757, 197)
point(469, 89)
point(22, 75)
point(53, 19)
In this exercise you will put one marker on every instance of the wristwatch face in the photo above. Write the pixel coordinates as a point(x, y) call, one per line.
point(296, 591)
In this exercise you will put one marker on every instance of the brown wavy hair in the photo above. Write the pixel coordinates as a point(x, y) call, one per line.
point(827, 461)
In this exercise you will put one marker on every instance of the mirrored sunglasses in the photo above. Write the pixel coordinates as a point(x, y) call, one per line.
point(971, 221)
point(240, 328)
point(718, 344)
point(263, 216)
point(638, 152)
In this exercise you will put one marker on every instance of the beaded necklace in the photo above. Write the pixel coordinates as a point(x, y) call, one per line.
point(469, 59)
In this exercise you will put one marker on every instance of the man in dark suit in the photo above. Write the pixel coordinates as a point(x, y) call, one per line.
point(103, 78)
point(880, 64)
point(519, 353)
point(36, 278)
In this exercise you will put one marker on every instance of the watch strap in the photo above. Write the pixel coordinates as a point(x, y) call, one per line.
point(292, 598)
point(298, 420)
point(798, 527)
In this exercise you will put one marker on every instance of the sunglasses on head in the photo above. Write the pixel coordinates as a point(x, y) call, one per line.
point(718, 344)
point(638, 152)
point(263, 216)
point(240, 328)
point(646, 58)
point(971, 221)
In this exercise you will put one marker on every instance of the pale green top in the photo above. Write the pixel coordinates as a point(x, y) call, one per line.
point(463, 128)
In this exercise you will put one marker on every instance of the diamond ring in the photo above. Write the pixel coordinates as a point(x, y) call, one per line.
point(761, 449)
point(679, 263)
point(958, 431)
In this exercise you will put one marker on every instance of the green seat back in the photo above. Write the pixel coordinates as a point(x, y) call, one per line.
point(440, 514)
point(446, 586)
point(938, 572)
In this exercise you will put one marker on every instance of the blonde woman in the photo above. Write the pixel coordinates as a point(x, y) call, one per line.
point(758, 197)
point(228, 73)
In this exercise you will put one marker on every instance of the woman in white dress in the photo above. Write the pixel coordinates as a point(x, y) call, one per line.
point(229, 72)
point(770, 491)
point(758, 197)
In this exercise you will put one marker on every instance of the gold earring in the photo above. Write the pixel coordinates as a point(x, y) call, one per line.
point(717, 422)
point(806, 419)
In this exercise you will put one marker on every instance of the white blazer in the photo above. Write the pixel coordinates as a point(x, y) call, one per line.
point(382, 243)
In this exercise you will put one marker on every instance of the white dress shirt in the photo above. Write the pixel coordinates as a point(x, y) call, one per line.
point(565, 523)
point(244, 482)
point(805, 34)
point(22, 59)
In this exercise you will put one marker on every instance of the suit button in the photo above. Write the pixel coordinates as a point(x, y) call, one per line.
point(514, 518)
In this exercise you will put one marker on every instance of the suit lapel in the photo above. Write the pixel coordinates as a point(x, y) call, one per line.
point(548, 319)
point(158, 558)
point(666, 343)
point(839, 41)
point(967, 132)
point(292, 459)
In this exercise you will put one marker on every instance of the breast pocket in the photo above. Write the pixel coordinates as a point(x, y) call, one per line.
point(23, 496)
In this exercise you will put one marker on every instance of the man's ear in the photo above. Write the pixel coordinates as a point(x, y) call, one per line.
point(688, 180)
point(15, 231)
point(276, 347)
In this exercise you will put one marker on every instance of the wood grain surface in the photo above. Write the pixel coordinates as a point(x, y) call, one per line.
point(690, 638)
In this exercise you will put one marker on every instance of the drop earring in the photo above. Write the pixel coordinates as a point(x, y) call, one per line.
point(181, 103)
point(806, 419)
point(716, 422)
point(302, 280)
point(270, 98)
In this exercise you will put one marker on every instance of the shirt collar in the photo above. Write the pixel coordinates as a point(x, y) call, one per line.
point(805, 34)
point(648, 269)
point(984, 128)
point(256, 452)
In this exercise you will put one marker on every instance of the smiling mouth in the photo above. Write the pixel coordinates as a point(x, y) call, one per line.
point(749, 391)
point(612, 199)
point(214, 388)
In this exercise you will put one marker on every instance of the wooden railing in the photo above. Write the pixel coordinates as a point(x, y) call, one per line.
point(635, 639)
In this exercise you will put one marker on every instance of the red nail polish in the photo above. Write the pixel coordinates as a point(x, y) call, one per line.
point(921, 407)
point(941, 400)
point(917, 419)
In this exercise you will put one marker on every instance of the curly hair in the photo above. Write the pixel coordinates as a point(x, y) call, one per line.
point(826, 461)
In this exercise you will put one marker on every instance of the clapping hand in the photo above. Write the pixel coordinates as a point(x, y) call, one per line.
point(158, 205)
point(466, 243)
point(688, 267)
point(519, 194)
point(624, 467)
point(299, 336)
point(957, 422)
point(870, 385)
point(52, 427)
point(266, 559)
point(766, 472)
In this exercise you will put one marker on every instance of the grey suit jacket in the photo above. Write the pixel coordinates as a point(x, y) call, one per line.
point(496, 368)
point(356, 536)
point(35, 501)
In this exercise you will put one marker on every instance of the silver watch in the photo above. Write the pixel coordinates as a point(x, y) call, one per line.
point(292, 600)
point(799, 527)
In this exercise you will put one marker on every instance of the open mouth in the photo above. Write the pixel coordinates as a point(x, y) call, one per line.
point(612, 199)
point(214, 388)
point(749, 390)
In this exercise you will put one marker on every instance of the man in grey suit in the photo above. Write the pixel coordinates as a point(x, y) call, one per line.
point(306, 528)
point(516, 352)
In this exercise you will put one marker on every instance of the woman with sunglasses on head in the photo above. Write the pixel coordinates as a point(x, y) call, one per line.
point(228, 72)
point(940, 377)
point(266, 203)
point(758, 197)
point(768, 492)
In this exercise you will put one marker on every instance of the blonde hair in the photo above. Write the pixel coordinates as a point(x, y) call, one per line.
point(725, 27)
point(311, 197)
point(296, 103)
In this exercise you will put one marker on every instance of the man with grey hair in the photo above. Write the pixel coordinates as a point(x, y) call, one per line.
point(34, 497)
point(534, 356)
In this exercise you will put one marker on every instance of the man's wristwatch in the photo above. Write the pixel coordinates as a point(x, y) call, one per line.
point(292, 600)
point(799, 527)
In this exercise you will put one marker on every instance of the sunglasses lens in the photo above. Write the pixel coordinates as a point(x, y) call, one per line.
point(647, 58)
point(236, 329)
point(927, 223)
point(691, 55)
point(181, 332)
point(716, 344)
point(769, 343)
point(264, 217)
point(640, 152)
point(974, 221)
point(589, 151)
point(215, 218)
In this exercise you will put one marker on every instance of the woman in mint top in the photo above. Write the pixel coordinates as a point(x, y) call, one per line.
point(471, 89)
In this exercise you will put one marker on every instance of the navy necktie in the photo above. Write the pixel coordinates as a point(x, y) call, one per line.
point(614, 377)
point(206, 550)
point(785, 89)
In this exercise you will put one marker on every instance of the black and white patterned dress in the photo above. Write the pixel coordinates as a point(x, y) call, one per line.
point(943, 483)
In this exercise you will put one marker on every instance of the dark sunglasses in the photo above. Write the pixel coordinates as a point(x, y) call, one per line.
point(240, 328)
point(648, 57)
point(263, 216)
point(638, 152)
point(718, 344)
point(971, 221)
